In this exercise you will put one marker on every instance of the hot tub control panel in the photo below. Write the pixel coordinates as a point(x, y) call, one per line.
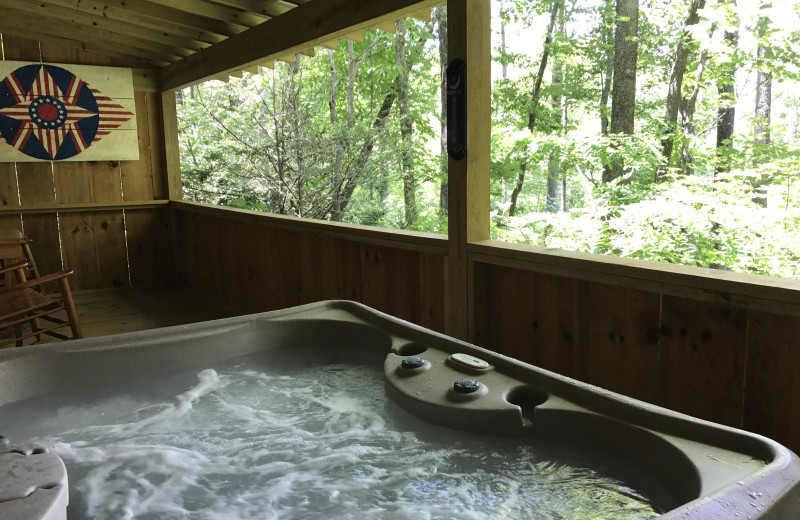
point(460, 390)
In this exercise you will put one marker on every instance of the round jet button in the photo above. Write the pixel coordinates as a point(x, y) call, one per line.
point(412, 362)
point(466, 386)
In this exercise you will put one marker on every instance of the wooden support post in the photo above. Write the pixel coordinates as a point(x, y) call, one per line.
point(469, 38)
point(172, 157)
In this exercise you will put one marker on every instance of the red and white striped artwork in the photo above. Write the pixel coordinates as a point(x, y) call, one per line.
point(56, 112)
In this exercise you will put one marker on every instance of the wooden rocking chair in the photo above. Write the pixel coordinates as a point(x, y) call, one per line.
point(26, 301)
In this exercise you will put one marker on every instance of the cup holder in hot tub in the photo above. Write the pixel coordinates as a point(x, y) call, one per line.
point(409, 349)
point(527, 398)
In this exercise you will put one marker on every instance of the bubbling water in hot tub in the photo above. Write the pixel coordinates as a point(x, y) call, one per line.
point(301, 434)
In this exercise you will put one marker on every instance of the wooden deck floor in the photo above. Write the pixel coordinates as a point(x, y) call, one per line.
point(112, 311)
point(128, 309)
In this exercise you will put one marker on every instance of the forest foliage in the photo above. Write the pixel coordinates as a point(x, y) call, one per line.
point(651, 129)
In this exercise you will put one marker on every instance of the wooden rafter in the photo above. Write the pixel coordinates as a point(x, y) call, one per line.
point(176, 16)
point(388, 27)
point(357, 36)
point(212, 10)
point(135, 19)
point(143, 56)
point(22, 24)
point(202, 39)
point(423, 15)
point(308, 25)
point(125, 31)
point(331, 44)
point(269, 8)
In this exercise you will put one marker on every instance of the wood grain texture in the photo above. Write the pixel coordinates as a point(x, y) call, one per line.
point(110, 249)
point(128, 309)
point(73, 182)
point(550, 324)
point(167, 153)
point(92, 238)
point(771, 404)
point(78, 246)
point(93, 245)
point(157, 144)
point(9, 193)
point(36, 184)
point(16, 47)
point(623, 340)
point(561, 318)
point(46, 246)
point(432, 290)
point(391, 281)
point(11, 221)
point(303, 27)
point(257, 267)
point(137, 176)
point(468, 39)
point(510, 334)
point(701, 370)
point(775, 295)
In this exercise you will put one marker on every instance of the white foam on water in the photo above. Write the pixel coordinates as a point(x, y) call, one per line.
point(302, 437)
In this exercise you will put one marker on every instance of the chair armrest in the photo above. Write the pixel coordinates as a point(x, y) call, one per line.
point(13, 267)
point(17, 240)
point(36, 282)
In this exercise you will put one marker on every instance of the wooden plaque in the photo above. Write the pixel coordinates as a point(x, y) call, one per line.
point(57, 112)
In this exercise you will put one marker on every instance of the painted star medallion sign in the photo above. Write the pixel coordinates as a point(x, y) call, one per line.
point(53, 113)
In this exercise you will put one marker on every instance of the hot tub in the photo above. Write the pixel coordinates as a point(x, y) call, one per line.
point(699, 469)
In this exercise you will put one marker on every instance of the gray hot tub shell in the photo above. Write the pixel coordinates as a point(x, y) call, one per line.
point(708, 470)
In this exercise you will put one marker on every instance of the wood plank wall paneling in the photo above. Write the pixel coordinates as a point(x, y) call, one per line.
point(9, 194)
point(258, 268)
point(772, 385)
point(714, 361)
point(94, 243)
point(623, 340)
point(149, 246)
point(702, 344)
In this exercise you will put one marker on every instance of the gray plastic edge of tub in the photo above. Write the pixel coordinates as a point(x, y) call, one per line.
point(772, 492)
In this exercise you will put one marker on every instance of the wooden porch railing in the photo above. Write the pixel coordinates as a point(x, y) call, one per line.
point(721, 346)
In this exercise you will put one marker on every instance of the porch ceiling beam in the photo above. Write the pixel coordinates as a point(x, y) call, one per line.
point(165, 11)
point(93, 22)
point(265, 7)
point(144, 57)
point(101, 42)
point(305, 26)
point(147, 20)
point(212, 10)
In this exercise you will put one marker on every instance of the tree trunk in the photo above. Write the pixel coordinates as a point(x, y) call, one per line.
point(623, 101)
point(608, 40)
point(354, 171)
point(688, 108)
point(300, 173)
point(440, 16)
point(554, 161)
point(517, 188)
point(726, 113)
point(674, 95)
point(763, 112)
point(503, 39)
point(338, 144)
point(537, 87)
point(564, 173)
point(406, 128)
